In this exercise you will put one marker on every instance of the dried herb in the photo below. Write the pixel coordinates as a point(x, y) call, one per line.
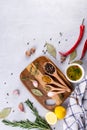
point(37, 66)
point(37, 92)
point(47, 88)
point(51, 49)
point(78, 62)
point(39, 123)
point(5, 112)
point(34, 71)
point(73, 55)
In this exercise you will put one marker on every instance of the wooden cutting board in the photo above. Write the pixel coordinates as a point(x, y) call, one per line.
point(35, 72)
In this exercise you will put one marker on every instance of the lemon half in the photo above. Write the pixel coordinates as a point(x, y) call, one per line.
point(60, 112)
point(51, 118)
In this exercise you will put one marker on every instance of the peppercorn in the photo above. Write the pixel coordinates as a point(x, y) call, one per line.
point(49, 68)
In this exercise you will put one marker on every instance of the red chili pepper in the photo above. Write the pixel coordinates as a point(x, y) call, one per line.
point(77, 42)
point(84, 50)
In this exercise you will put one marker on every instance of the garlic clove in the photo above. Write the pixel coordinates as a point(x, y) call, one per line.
point(35, 83)
point(16, 92)
point(21, 107)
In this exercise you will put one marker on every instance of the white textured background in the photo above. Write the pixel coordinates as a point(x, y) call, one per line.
point(34, 21)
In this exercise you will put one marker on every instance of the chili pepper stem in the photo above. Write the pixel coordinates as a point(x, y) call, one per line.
point(83, 21)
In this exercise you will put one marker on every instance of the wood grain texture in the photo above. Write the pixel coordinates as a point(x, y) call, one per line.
point(35, 71)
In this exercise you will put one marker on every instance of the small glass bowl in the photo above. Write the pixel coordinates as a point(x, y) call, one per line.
point(71, 72)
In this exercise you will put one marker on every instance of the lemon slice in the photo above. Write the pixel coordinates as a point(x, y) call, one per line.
point(60, 112)
point(51, 118)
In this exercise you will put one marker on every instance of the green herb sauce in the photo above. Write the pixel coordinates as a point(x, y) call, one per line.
point(74, 73)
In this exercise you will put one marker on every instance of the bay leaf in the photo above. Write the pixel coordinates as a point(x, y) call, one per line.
point(37, 92)
point(78, 62)
point(5, 112)
point(73, 55)
point(51, 49)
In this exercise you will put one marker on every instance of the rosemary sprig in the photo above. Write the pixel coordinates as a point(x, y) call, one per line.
point(25, 124)
point(39, 123)
point(30, 105)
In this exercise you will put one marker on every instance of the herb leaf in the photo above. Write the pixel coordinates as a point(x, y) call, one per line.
point(5, 112)
point(73, 55)
point(78, 62)
point(51, 50)
point(30, 105)
point(36, 92)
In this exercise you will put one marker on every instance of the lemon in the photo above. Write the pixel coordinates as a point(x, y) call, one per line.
point(51, 118)
point(60, 112)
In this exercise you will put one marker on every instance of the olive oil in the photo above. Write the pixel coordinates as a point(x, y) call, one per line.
point(74, 72)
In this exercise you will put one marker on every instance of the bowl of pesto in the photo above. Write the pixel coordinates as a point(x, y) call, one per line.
point(74, 72)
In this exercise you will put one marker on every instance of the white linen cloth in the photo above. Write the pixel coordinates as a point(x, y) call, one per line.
point(76, 117)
